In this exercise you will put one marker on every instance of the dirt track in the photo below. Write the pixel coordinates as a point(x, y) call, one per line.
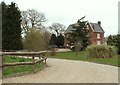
point(70, 71)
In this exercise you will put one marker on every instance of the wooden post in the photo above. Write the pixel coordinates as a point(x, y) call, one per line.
point(39, 57)
point(45, 61)
point(44, 57)
point(33, 61)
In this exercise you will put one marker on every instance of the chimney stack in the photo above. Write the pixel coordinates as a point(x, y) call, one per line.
point(99, 22)
point(78, 21)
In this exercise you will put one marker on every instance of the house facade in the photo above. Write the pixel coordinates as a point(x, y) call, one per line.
point(96, 33)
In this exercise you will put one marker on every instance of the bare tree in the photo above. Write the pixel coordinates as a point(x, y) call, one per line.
point(57, 27)
point(32, 18)
point(36, 18)
point(25, 21)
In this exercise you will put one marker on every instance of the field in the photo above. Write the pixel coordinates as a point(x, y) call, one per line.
point(21, 68)
point(82, 57)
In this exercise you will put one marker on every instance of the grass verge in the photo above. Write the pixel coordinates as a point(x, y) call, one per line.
point(82, 56)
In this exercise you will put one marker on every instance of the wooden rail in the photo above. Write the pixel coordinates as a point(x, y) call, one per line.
point(40, 57)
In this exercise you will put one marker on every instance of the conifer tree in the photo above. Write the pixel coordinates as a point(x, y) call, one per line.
point(79, 35)
point(11, 27)
point(60, 41)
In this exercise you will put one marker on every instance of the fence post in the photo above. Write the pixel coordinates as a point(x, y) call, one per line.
point(39, 57)
point(1, 64)
point(44, 57)
point(33, 61)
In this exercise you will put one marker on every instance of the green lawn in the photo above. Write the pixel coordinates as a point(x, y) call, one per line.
point(9, 70)
point(82, 56)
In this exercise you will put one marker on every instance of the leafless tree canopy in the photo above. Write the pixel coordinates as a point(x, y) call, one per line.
point(57, 27)
point(32, 18)
point(36, 18)
point(25, 21)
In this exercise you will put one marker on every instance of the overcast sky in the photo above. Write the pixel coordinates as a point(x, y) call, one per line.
point(69, 11)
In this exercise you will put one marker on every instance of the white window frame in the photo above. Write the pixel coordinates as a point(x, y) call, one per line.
point(87, 27)
point(98, 35)
point(98, 42)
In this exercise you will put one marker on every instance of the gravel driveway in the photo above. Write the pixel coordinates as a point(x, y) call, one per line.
point(70, 71)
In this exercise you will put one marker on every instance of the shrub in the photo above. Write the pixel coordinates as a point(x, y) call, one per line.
point(101, 51)
point(36, 40)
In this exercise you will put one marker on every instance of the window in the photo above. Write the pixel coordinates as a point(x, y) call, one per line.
point(98, 42)
point(87, 27)
point(98, 35)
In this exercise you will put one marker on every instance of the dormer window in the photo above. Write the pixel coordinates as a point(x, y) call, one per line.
point(98, 35)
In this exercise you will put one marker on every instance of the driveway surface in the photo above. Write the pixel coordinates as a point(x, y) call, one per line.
point(70, 71)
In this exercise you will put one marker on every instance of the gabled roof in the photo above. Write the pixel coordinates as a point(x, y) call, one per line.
point(97, 27)
point(68, 30)
point(94, 26)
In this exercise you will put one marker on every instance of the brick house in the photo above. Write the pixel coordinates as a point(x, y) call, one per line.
point(96, 33)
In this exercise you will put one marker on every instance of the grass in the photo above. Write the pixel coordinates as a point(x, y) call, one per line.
point(82, 56)
point(61, 55)
point(11, 70)
point(10, 59)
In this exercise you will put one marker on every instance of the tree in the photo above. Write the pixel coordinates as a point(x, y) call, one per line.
point(58, 28)
point(32, 18)
point(46, 39)
point(35, 40)
point(53, 40)
point(118, 43)
point(114, 40)
point(0, 27)
point(60, 41)
point(25, 21)
point(79, 35)
point(11, 27)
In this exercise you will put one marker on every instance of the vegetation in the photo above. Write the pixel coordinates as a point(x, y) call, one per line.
point(17, 24)
point(82, 56)
point(79, 35)
point(11, 70)
point(101, 51)
point(10, 59)
point(57, 38)
point(32, 18)
point(57, 27)
point(11, 27)
point(53, 40)
point(114, 40)
point(36, 40)
point(60, 41)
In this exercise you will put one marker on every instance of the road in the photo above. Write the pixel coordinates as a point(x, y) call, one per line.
point(70, 71)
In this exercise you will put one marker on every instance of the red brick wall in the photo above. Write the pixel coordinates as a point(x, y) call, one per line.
point(102, 38)
point(93, 38)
